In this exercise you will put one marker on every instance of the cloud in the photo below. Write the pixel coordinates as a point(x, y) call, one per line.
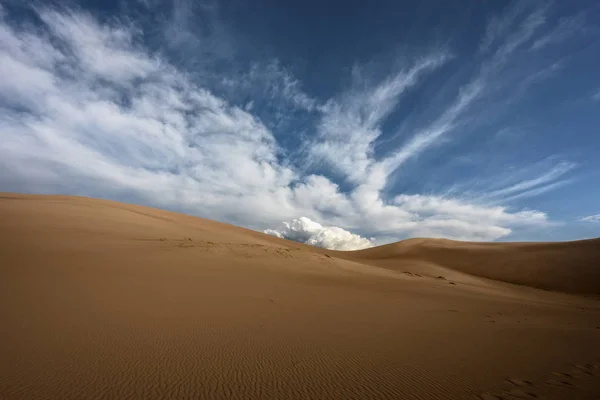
point(196, 36)
point(279, 85)
point(591, 218)
point(282, 103)
point(499, 26)
point(566, 28)
point(87, 107)
point(147, 130)
point(515, 183)
point(107, 52)
point(534, 186)
point(304, 230)
point(443, 125)
point(433, 215)
point(351, 123)
point(442, 207)
point(504, 37)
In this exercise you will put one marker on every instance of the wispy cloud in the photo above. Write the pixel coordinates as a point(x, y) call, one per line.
point(282, 96)
point(443, 125)
point(515, 183)
point(499, 26)
point(107, 52)
point(537, 191)
point(351, 123)
point(503, 37)
point(196, 35)
point(591, 218)
point(566, 28)
point(532, 186)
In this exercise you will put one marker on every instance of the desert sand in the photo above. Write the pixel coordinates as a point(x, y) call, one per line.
point(105, 300)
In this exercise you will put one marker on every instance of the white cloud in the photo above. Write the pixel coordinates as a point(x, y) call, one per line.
point(515, 182)
point(446, 217)
point(499, 26)
point(442, 207)
point(532, 186)
point(307, 231)
point(591, 218)
point(352, 123)
point(197, 45)
point(171, 142)
point(108, 52)
point(279, 85)
point(566, 28)
point(442, 126)
point(281, 98)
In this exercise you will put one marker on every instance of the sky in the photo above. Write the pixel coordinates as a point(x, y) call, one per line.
point(341, 124)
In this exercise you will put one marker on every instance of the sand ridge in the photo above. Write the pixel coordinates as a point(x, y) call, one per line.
point(101, 299)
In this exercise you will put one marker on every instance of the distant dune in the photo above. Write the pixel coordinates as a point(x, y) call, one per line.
point(100, 299)
point(563, 266)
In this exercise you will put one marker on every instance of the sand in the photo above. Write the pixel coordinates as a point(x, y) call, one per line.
point(104, 300)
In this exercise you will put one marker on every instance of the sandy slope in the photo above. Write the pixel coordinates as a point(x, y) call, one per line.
point(567, 266)
point(106, 300)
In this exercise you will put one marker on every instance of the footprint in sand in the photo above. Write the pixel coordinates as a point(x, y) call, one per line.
point(525, 389)
point(489, 318)
point(585, 369)
point(520, 382)
point(559, 383)
point(412, 274)
point(490, 396)
point(512, 395)
point(568, 379)
point(563, 375)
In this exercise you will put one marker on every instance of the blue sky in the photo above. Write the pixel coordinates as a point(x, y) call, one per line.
point(340, 124)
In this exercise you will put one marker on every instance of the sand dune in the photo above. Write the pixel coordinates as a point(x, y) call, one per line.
point(567, 266)
point(100, 299)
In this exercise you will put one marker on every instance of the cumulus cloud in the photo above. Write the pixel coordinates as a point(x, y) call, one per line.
point(86, 107)
point(310, 232)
